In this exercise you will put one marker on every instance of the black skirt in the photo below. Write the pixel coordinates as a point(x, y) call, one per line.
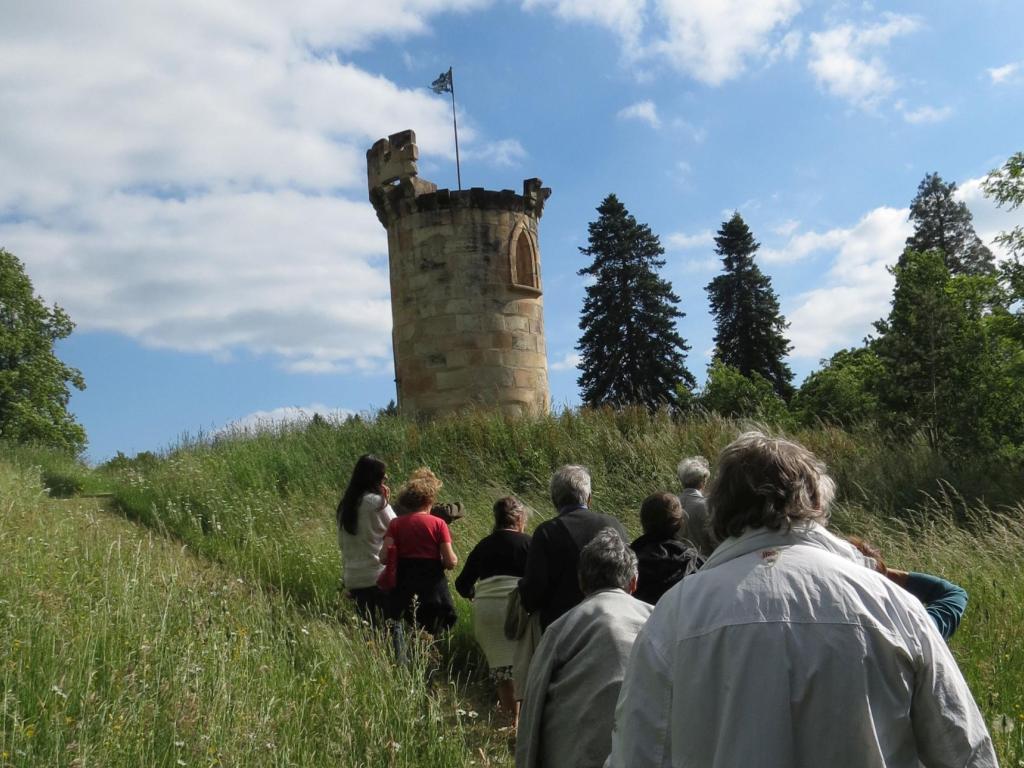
point(421, 595)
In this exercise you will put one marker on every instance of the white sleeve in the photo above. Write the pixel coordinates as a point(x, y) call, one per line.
point(948, 727)
point(640, 735)
point(381, 518)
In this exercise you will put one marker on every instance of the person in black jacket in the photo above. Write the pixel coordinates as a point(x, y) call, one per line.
point(491, 573)
point(663, 559)
point(550, 584)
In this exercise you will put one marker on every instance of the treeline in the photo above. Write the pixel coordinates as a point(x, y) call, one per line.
point(946, 362)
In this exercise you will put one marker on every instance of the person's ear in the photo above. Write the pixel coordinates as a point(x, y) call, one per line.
point(632, 585)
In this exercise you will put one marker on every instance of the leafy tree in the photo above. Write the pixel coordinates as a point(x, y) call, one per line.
point(748, 326)
point(944, 224)
point(631, 350)
point(733, 394)
point(34, 383)
point(843, 392)
point(1006, 186)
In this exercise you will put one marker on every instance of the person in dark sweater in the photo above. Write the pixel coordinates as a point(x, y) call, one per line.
point(491, 573)
point(550, 584)
point(663, 559)
point(944, 601)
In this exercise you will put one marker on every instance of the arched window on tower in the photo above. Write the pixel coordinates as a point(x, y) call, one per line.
point(524, 262)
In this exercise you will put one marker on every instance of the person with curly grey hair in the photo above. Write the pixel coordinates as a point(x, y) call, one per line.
point(577, 670)
point(550, 585)
point(693, 472)
point(783, 649)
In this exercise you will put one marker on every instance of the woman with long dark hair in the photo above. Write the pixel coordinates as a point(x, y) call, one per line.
point(363, 517)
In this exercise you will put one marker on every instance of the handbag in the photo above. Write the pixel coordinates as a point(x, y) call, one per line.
point(388, 578)
point(516, 618)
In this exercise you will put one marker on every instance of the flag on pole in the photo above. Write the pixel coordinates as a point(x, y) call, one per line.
point(443, 83)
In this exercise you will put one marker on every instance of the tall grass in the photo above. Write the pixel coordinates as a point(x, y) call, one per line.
point(119, 648)
point(261, 507)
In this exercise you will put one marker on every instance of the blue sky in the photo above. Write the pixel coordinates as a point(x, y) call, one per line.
point(187, 179)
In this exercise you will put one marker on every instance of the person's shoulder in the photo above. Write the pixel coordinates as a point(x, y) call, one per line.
point(371, 501)
point(616, 606)
point(509, 538)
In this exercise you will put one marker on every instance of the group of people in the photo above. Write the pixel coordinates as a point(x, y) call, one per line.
point(737, 630)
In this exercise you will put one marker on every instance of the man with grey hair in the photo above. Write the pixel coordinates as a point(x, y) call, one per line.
point(549, 584)
point(576, 673)
point(785, 650)
point(693, 472)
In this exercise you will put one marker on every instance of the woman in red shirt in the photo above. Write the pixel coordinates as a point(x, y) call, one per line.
point(423, 545)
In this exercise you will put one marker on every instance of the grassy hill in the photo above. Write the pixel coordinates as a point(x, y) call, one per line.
point(231, 569)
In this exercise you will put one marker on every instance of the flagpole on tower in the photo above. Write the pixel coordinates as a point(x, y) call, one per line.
point(444, 83)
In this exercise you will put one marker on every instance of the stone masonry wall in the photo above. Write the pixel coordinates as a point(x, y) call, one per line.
point(468, 323)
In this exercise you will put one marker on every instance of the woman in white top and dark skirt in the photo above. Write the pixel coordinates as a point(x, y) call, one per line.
point(363, 516)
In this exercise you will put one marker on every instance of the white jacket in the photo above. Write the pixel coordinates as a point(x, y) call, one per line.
point(574, 681)
point(785, 651)
point(360, 552)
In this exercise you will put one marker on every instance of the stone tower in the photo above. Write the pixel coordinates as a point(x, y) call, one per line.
point(465, 288)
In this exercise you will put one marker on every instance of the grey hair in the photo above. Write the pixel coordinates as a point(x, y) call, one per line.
point(693, 471)
point(606, 563)
point(570, 485)
point(767, 482)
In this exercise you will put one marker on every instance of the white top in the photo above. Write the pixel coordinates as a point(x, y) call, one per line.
point(784, 651)
point(574, 681)
point(360, 552)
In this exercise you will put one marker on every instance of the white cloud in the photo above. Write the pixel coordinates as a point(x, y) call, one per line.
point(258, 421)
point(927, 114)
point(569, 362)
point(803, 245)
point(713, 40)
point(193, 175)
point(857, 288)
point(645, 111)
point(623, 17)
point(989, 219)
point(505, 153)
point(786, 228)
point(683, 241)
point(1004, 74)
point(844, 60)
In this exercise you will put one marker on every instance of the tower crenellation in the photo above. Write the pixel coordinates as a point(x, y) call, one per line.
point(466, 297)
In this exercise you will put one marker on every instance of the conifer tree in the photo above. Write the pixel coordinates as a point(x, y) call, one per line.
point(631, 350)
point(748, 326)
point(945, 224)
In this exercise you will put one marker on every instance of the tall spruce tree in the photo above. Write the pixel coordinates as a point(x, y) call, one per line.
point(631, 350)
point(749, 330)
point(944, 224)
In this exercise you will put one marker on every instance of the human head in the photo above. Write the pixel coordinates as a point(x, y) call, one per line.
point(368, 475)
point(661, 515)
point(509, 513)
point(693, 472)
point(570, 485)
point(607, 563)
point(767, 482)
point(419, 492)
